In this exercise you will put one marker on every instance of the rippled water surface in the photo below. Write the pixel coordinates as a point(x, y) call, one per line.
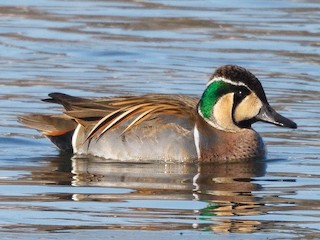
point(106, 48)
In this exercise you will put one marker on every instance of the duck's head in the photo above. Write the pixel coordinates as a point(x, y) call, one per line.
point(234, 99)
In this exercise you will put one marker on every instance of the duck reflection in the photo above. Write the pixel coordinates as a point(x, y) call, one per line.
point(228, 190)
point(225, 191)
point(229, 183)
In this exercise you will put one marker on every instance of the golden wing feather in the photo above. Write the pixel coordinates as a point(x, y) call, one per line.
point(105, 114)
point(114, 119)
point(144, 112)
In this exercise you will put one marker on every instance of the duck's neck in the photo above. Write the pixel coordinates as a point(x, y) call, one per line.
point(214, 145)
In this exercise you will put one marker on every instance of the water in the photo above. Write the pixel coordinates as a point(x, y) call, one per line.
point(106, 48)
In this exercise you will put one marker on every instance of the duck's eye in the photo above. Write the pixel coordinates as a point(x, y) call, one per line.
point(240, 94)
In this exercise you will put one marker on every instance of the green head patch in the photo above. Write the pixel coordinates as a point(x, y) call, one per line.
point(211, 95)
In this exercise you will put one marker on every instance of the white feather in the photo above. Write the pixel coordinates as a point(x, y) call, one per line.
point(75, 138)
point(197, 141)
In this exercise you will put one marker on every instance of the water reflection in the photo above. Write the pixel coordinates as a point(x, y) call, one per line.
point(228, 191)
point(222, 190)
point(221, 182)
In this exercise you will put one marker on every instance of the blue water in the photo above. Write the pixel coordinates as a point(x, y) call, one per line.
point(107, 48)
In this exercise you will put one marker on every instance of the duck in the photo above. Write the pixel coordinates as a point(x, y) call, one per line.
point(166, 127)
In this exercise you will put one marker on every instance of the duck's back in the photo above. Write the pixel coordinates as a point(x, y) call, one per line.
point(165, 133)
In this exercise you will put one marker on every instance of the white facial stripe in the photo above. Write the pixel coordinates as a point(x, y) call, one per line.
point(225, 80)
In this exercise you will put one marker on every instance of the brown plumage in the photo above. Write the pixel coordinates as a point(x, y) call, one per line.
point(216, 127)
